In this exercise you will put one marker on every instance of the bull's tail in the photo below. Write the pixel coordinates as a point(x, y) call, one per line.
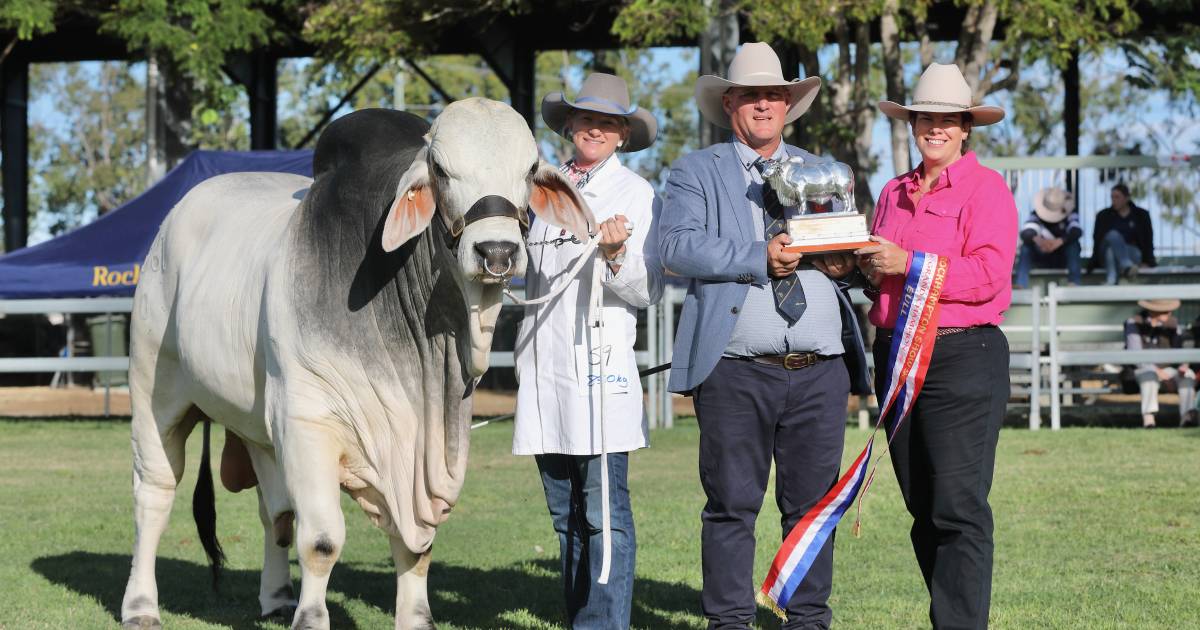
point(204, 510)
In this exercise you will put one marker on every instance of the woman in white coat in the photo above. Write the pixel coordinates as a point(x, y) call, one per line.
point(560, 418)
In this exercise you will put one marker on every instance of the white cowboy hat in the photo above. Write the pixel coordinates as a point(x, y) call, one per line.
point(754, 65)
point(606, 94)
point(942, 88)
point(1159, 306)
point(1052, 205)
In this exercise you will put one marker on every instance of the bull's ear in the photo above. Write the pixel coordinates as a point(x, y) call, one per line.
point(413, 207)
point(556, 200)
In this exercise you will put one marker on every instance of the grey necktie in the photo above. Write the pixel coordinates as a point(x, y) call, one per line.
point(789, 294)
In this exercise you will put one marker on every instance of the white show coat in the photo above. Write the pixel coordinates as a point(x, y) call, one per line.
point(557, 410)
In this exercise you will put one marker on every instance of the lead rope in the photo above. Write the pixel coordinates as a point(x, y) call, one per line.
point(597, 319)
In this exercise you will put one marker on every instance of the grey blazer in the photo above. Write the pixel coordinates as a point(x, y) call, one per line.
point(706, 234)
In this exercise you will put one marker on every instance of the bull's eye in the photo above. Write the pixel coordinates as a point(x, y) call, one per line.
point(533, 170)
point(437, 171)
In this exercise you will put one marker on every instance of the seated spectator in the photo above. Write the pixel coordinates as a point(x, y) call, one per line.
point(1155, 328)
point(1123, 238)
point(1050, 237)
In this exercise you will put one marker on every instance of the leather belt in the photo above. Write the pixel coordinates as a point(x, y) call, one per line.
point(791, 360)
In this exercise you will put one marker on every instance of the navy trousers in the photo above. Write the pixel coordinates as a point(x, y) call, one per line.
point(944, 455)
point(749, 415)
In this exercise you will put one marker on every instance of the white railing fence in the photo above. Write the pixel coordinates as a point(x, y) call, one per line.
point(1043, 330)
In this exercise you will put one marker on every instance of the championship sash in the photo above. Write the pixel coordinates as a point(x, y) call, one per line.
point(908, 361)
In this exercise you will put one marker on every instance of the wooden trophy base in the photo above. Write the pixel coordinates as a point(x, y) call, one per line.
point(827, 233)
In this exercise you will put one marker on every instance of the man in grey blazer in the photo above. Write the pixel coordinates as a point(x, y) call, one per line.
point(767, 343)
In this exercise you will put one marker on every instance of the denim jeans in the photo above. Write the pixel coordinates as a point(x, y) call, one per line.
point(572, 484)
point(1032, 257)
point(1118, 256)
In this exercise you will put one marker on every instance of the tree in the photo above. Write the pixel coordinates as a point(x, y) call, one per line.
point(841, 120)
point(90, 163)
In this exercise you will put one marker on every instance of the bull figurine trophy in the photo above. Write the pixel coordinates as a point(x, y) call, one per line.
point(818, 198)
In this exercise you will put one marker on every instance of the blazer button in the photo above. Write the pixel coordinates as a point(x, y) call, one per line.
point(734, 310)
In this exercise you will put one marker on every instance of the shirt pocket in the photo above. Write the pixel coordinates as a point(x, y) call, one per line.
point(940, 224)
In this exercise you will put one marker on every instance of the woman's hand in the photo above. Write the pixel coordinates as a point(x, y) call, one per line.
point(836, 265)
point(885, 258)
point(613, 235)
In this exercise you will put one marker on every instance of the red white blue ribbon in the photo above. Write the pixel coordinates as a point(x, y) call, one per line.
point(908, 361)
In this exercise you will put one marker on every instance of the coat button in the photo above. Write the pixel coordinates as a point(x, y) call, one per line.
point(734, 310)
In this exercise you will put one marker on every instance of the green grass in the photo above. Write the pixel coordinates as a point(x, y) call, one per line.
point(1095, 528)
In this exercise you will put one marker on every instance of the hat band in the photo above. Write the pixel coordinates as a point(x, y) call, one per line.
point(604, 101)
point(941, 104)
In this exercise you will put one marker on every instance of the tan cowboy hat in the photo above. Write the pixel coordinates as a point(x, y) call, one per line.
point(942, 88)
point(1052, 205)
point(1159, 306)
point(754, 65)
point(606, 94)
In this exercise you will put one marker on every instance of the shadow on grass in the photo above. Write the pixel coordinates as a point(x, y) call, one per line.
point(462, 596)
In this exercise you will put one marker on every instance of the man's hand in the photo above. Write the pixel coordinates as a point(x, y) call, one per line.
point(781, 264)
point(836, 265)
point(885, 258)
point(613, 236)
point(1047, 245)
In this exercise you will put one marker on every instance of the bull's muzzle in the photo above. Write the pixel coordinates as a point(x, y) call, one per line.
point(496, 257)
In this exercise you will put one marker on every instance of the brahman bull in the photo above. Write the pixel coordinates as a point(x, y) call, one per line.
point(337, 326)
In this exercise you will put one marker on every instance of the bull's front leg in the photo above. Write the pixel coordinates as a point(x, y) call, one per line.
point(412, 595)
point(311, 470)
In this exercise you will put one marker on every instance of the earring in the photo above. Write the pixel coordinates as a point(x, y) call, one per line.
point(620, 143)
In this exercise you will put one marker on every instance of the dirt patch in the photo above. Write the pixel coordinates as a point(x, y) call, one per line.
point(47, 402)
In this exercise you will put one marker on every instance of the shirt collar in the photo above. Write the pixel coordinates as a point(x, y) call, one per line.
point(747, 156)
point(961, 168)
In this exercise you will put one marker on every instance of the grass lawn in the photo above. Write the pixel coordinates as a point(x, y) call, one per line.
point(1095, 528)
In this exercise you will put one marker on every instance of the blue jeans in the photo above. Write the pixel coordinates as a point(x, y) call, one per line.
point(1118, 256)
point(1032, 257)
point(572, 484)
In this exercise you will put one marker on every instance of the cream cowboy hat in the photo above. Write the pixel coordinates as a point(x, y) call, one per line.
point(754, 65)
point(942, 88)
point(605, 94)
point(1052, 205)
point(1159, 306)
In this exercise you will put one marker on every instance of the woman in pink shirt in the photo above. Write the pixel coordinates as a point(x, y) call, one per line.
point(944, 453)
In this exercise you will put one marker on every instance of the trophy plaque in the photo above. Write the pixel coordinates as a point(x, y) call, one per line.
point(818, 199)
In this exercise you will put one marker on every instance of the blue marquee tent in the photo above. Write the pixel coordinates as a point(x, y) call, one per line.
point(103, 258)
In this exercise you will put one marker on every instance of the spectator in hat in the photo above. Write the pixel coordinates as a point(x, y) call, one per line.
point(1050, 236)
point(1123, 238)
point(1155, 327)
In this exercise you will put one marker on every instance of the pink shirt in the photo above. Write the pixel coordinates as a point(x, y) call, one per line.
point(968, 215)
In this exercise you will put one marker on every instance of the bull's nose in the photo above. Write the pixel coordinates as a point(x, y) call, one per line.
point(497, 256)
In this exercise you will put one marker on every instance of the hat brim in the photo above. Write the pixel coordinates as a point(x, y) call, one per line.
point(643, 127)
point(710, 88)
point(1160, 306)
point(981, 115)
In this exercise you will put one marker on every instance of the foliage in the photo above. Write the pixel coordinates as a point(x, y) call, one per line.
point(91, 164)
point(68, 527)
point(28, 17)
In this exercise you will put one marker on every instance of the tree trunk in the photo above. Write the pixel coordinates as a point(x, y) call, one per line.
point(974, 41)
point(169, 101)
point(893, 72)
point(718, 44)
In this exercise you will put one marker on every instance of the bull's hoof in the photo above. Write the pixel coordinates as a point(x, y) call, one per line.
point(311, 619)
point(142, 622)
point(284, 613)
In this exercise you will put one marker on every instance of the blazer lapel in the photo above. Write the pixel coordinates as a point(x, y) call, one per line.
point(729, 173)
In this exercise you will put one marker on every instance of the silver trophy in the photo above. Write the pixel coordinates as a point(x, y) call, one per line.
point(818, 197)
